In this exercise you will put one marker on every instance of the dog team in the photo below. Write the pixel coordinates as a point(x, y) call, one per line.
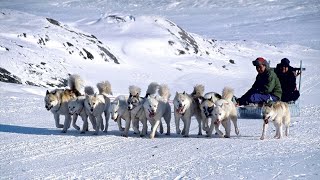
point(211, 109)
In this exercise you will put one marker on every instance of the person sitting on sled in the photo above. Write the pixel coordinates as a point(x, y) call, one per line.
point(266, 88)
point(287, 79)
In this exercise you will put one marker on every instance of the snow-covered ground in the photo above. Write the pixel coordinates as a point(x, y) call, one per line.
point(145, 48)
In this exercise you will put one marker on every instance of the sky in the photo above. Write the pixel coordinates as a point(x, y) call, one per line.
point(148, 47)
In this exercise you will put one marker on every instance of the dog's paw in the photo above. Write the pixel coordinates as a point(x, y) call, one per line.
point(121, 129)
point(152, 136)
point(237, 132)
point(186, 136)
point(200, 134)
point(124, 135)
point(82, 132)
point(168, 134)
point(226, 136)
point(77, 128)
point(261, 138)
point(60, 126)
point(64, 131)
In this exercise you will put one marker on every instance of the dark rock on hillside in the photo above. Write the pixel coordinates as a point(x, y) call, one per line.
point(6, 76)
point(54, 22)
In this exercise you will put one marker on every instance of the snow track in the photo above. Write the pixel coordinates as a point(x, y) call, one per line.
point(32, 148)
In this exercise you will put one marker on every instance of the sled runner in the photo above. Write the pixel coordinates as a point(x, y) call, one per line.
point(255, 111)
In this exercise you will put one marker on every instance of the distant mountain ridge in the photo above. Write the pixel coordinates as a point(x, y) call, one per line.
point(36, 50)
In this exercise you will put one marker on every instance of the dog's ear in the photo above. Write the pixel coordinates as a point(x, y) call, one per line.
point(184, 93)
point(47, 92)
point(210, 99)
point(177, 93)
point(217, 95)
point(130, 95)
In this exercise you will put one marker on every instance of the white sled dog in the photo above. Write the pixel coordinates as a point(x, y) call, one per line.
point(136, 110)
point(57, 100)
point(97, 104)
point(279, 114)
point(224, 111)
point(186, 106)
point(76, 108)
point(207, 106)
point(157, 107)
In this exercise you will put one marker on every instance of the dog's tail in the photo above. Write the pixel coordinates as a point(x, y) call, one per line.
point(164, 92)
point(104, 88)
point(75, 83)
point(89, 90)
point(134, 91)
point(152, 88)
point(227, 93)
point(198, 91)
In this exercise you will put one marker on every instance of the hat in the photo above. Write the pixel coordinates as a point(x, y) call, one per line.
point(260, 61)
point(285, 62)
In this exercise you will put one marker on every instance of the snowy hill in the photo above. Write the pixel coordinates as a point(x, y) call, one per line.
point(43, 48)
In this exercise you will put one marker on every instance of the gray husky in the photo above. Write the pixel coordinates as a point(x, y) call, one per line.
point(157, 107)
point(97, 104)
point(76, 108)
point(57, 100)
point(186, 106)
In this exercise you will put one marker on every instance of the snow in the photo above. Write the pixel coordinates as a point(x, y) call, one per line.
point(32, 148)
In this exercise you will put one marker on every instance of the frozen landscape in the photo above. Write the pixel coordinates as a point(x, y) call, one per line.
point(180, 43)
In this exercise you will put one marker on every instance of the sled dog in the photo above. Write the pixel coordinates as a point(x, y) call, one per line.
point(207, 106)
point(97, 104)
point(76, 108)
point(119, 110)
point(186, 106)
point(279, 114)
point(136, 110)
point(224, 111)
point(157, 107)
point(57, 100)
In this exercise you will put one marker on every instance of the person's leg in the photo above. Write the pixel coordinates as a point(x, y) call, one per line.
point(261, 98)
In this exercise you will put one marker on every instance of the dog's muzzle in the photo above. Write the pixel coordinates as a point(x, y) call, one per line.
point(217, 121)
point(151, 113)
point(114, 118)
point(180, 109)
point(48, 107)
